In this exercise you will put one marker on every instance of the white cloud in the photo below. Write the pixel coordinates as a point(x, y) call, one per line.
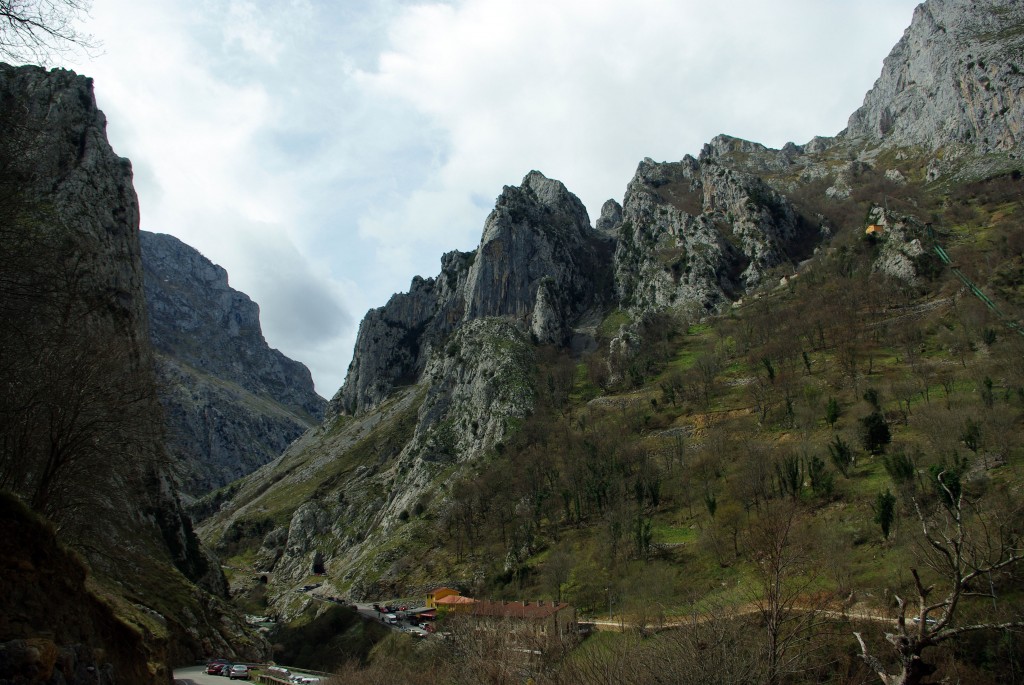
point(583, 90)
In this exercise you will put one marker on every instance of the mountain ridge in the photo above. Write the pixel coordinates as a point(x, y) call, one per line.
point(699, 235)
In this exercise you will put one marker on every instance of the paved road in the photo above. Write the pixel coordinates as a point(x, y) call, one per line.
point(196, 675)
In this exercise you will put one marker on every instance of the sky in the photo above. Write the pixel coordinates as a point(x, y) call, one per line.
point(326, 152)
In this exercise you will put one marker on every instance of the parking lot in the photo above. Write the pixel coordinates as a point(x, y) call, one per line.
point(196, 675)
point(403, 619)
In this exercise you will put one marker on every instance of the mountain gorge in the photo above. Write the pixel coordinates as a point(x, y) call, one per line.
point(774, 391)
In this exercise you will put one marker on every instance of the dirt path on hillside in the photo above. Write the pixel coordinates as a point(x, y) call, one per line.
point(672, 622)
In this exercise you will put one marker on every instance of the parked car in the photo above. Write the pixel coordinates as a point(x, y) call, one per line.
point(217, 666)
point(239, 672)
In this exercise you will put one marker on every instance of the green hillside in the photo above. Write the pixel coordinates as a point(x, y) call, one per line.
point(785, 451)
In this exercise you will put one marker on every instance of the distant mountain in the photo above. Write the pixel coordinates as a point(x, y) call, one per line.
point(232, 402)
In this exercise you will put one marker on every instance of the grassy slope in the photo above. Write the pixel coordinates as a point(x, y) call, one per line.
point(565, 509)
point(936, 357)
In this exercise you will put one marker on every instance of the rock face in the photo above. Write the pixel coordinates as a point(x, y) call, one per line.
point(394, 341)
point(901, 254)
point(232, 402)
point(949, 82)
point(699, 232)
point(539, 263)
point(75, 336)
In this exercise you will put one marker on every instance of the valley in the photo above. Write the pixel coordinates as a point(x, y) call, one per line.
point(762, 421)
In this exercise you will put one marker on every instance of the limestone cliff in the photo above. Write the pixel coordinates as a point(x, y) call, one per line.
point(699, 233)
point(78, 369)
point(955, 79)
point(232, 403)
point(539, 263)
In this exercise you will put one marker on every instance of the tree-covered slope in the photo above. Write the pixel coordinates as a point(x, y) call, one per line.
point(793, 364)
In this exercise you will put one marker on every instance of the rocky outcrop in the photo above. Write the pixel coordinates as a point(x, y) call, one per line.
point(232, 402)
point(699, 233)
point(951, 81)
point(394, 341)
point(610, 219)
point(539, 264)
point(900, 251)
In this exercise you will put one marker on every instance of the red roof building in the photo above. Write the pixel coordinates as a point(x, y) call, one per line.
point(550, 619)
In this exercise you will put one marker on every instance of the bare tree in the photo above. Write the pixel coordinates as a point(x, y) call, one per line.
point(35, 30)
point(967, 549)
point(784, 575)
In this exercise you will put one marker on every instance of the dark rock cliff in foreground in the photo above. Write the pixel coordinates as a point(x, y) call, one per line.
point(232, 402)
point(78, 407)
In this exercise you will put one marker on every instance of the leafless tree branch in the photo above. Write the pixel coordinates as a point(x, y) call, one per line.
point(37, 30)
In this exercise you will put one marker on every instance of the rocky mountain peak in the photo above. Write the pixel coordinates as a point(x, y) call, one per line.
point(611, 217)
point(947, 82)
point(536, 265)
point(534, 259)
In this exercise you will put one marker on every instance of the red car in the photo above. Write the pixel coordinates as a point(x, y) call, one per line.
point(218, 667)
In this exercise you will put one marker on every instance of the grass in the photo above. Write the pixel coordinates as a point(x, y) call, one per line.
point(609, 328)
point(665, 533)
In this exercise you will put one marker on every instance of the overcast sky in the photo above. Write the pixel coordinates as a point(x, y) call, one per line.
point(325, 152)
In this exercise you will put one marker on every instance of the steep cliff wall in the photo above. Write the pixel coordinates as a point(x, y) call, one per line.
point(956, 78)
point(232, 403)
point(80, 413)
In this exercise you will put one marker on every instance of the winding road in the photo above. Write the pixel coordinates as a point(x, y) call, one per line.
point(196, 675)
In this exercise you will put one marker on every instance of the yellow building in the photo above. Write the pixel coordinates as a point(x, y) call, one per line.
point(440, 593)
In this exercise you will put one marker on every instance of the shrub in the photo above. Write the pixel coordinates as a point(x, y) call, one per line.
point(885, 511)
point(875, 432)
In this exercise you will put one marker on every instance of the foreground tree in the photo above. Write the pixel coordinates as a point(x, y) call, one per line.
point(968, 549)
point(784, 577)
